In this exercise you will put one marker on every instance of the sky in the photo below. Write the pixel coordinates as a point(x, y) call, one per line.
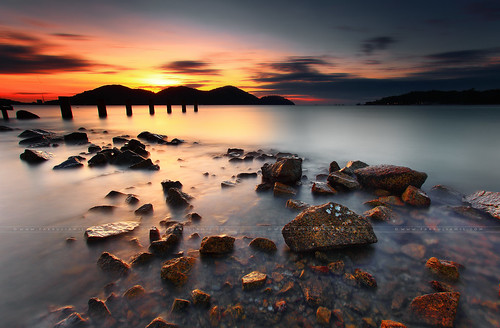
point(312, 52)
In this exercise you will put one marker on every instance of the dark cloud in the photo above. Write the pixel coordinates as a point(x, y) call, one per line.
point(22, 59)
point(487, 10)
point(464, 57)
point(14, 36)
point(368, 47)
point(69, 36)
point(299, 64)
point(190, 67)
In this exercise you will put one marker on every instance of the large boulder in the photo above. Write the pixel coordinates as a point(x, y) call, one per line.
point(33, 156)
point(285, 170)
point(438, 309)
point(25, 115)
point(216, 245)
point(390, 177)
point(327, 226)
point(485, 201)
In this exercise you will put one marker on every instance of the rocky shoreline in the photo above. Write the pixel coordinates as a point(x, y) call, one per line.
point(322, 281)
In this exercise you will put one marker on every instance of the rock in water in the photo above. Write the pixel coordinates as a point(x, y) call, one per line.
point(98, 309)
point(486, 201)
point(445, 269)
point(437, 309)
point(389, 177)
point(415, 197)
point(146, 164)
point(296, 204)
point(160, 323)
point(176, 270)
point(144, 209)
point(33, 156)
point(163, 246)
point(110, 263)
point(327, 226)
point(76, 138)
point(285, 170)
point(72, 162)
point(167, 184)
point(263, 244)
point(322, 188)
point(342, 181)
point(253, 280)
point(25, 115)
point(177, 198)
point(109, 230)
point(216, 245)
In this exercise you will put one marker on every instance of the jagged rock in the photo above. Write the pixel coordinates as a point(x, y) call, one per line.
point(176, 270)
point(200, 297)
point(342, 181)
point(98, 159)
point(109, 230)
point(74, 320)
point(177, 198)
point(263, 244)
point(25, 115)
point(216, 245)
point(327, 226)
point(193, 217)
point(281, 189)
point(486, 201)
point(334, 167)
point(437, 309)
point(253, 280)
point(235, 152)
point(72, 162)
point(322, 188)
point(114, 194)
point(415, 197)
point(98, 309)
point(389, 177)
point(34, 156)
point(285, 170)
point(167, 184)
point(175, 228)
point(296, 204)
point(391, 324)
point(215, 316)
point(354, 165)
point(154, 234)
point(445, 269)
point(76, 138)
point(146, 164)
point(127, 158)
point(365, 279)
point(163, 246)
point(180, 305)
point(380, 213)
point(144, 209)
point(153, 137)
point(120, 140)
point(131, 199)
point(110, 263)
point(141, 259)
point(137, 147)
point(134, 293)
point(323, 315)
point(160, 323)
point(94, 148)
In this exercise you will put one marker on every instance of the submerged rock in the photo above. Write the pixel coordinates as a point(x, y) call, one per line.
point(25, 115)
point(94, 148)
point(365, 279)
point(216, 245)
point(486, 201)
point(112, 264)
point(390, 177)
point(296, 204)
point(4, 128)
point(109, 230)
point(445, 269)
point(285, 170)
point(263, 244)
point(98, 160)
point(74, 320)
point(72, 162)
point(323, 315)
point(180, 305)
point(144, 209)
point(437, 309)
point(153, 137)
point(114, 194)
point(327, 226)
point(415, 197)
point(34, 156)
point(127, 158)
point(253, 280)
point(98, 309)
point(176, 270)
point(167, 184)
point(246, 175)
point(163, 246)
point(177, 198)
point(380, 213)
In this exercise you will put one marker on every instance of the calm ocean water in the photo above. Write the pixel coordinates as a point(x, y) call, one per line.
point(455, 145)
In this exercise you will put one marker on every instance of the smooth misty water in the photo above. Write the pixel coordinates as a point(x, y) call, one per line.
point(40, 208)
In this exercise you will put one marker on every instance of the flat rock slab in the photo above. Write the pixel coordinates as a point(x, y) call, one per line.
point(327, 226)
point(215, 245)
point(485, 201)
point(109, 230)
point(390, 177)
point(437, 309)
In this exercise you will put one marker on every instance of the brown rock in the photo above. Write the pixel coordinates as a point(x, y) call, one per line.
point(167, 184)
point(263, 244)
point(312, 291)
point(391, 201)
point(380, 213)
point(327, 226)
point(439, 286)
point(296, 204)
point(322, 188)
point(437, 309)
point(163, 246)
point(141, 259)
point(365, 279)
point(215, 245)
point(445, 269)
point(357, 164)
point(160, 323)
point(323, 315)
point(200, 297)
point(144, 209)
point(263, 187)
point(180, 305)
point(339, 180)
point(285, 170)
point(134, 293)
point(486, 201)
point(253, 280)
point(97, 309)
point(391, 324)
point(415, 197)
point(389, 177)
point(337, 267)
point(215, 316)
point(413, 250)
point(154, 234)
point(281, 189)
point(368, 323)
point(34, 156)
point(195, 217)
point(176, 198)
point(334, 167)
point(176, 270)
point(286, 287)
point(110, 263)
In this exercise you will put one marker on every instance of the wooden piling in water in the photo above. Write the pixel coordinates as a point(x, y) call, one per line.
point(66, 112)
point(196, 107)
point(4, 110)
point(151, 107)
point(101, 108)
point(183, 107)
point(169, 109)
point(128, 107)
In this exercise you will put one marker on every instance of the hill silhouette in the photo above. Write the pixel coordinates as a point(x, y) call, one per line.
point(119, 95)
point(435, 97)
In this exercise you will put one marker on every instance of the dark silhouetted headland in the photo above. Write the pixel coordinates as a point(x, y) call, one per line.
point(435, 97)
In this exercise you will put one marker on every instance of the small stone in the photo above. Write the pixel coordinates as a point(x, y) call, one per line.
point(280, 306)
point(134, 293)
point(380, 213)
point(415, 197)
point(253, 280)
point(154, 234)
point(391, 324)
point(323, 188)
point(246, 175)
point(200, 297)
point(365, 279)
point(195, 217)
point(263, 244)
point(141, 259)
point(131, 199)
point(337, 267)
point(286, 288)
point(350, 279)
point(180, 305)
point(445, 269)
point(114, 194)
point(94, 148)
point(281, 189)
point(227, 184)
point(176, 270)
point(72, 162)
point(160, 323)
point(296, 204)
point(216, 245)
point(144, 209)
point(323, 315)
point(110, 263)
point(437, 309)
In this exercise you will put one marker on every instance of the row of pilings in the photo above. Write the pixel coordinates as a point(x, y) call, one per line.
point(67, 113)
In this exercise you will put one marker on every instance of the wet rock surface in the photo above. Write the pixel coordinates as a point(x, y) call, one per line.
point(486, 201)
point(72, 162)
point(297, 204)
point(217, 245)
point(342, 181)
point(25, 115)
point(263, 244)
point(327, 226)
point(445, 269)
point(176, 271)
point(112, 264)
point(285, 170)
point(176, 198)
point(390, 177)
point(415, 197)
point(107, 230)
point(437, 309)
point(253, 280)
point(34, 156)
